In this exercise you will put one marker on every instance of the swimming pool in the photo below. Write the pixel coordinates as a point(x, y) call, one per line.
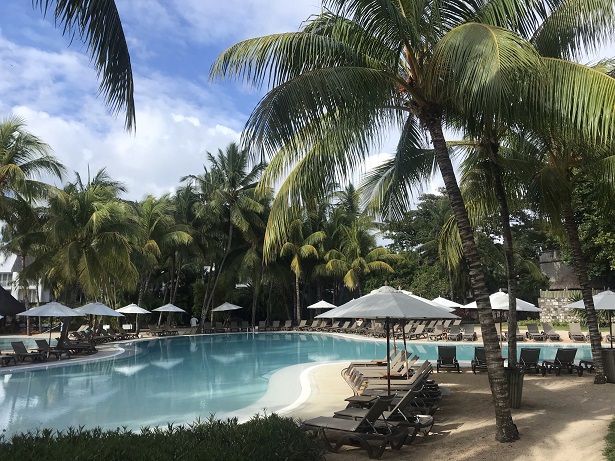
point(179, 379)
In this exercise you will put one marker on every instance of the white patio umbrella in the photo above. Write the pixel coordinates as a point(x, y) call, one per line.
point(446, 303)
point(52, 309)
point(603, 301)
point(321, 305)
point(388, 303)
point(499, 302)
point(97, 308)
point(226, 307)
point(167, 308)
point(134, 309)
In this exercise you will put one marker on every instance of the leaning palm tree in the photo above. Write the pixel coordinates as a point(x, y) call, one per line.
point(97, 23)
point(354, 73)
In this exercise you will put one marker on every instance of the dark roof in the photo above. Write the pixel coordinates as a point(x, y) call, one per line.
point(8, 304)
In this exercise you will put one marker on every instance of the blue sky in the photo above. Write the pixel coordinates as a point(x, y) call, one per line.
point(180, 114)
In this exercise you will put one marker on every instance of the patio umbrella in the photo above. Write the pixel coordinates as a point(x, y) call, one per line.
point(134, 309)
point(226, 307)
point(446, 303)
point(98, 308)
point(52, 309)
point(603, 301)
point(321, 305)
point(499, 302)
point(167, 308)
point(8, 304)
point(388, 303)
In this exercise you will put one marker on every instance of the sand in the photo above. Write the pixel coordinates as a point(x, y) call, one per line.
point(561, 418)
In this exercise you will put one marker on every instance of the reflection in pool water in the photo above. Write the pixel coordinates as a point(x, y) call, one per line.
point(177, 379)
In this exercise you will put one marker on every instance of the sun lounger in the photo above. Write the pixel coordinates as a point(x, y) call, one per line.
point(529, 358)
point(288, 325)
point(454, 333)
point(550, 332)
point(302, 325)
point(479, 362)
point(75, 347)
point(447, 358)
point(534, 333)
point(469, 333)
point(419, 332)
point(437, 334)
point(402, 412)
point(6, 359)
point(575, 333)
point(363, 432)
point(564, 359)
point(45, 348)
point(21, 353)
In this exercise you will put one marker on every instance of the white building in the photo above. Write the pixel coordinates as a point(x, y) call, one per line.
point(10, 267)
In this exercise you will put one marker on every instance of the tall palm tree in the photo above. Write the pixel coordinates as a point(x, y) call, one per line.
point(352, 74)
point(229, 195)
point(98, 24)
point(554, 167)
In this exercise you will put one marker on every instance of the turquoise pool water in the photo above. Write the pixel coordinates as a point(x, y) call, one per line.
point(177, 379)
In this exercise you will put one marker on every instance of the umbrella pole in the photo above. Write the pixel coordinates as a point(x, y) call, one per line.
point(403, 332)
point(611, 328)
point(388, 357)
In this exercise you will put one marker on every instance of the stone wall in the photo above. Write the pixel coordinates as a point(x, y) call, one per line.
point(553, 310)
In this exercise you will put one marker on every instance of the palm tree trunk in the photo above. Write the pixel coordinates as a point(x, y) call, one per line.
point(580, 267)
point(506, 431)
point(511, 275)
point(298, 299)
point(219, 270)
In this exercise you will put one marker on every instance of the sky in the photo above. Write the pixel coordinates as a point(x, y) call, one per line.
point(50, 82)
point(181, 115)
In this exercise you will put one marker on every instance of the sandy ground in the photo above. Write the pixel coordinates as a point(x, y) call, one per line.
point(561, 418)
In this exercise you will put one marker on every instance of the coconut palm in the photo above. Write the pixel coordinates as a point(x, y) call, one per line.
point(23, 157)
point(352, 74)
point(555, 165)
point(358, 255)
point(228, 194)
point(300, 245)
point(157, 230)
point(87, 235)
point(98, 24)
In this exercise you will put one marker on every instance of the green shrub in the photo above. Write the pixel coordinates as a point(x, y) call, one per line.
point(609, 450)
point(268, 437)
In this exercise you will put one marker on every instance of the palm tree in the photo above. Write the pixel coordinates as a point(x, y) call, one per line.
point(98, 24)
point(358, 255)
point(87, 234)
point(300, 247)
point(23, 157)
point(353, 73)
point(157, 230)
point(554, 167)
point(228, 189)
